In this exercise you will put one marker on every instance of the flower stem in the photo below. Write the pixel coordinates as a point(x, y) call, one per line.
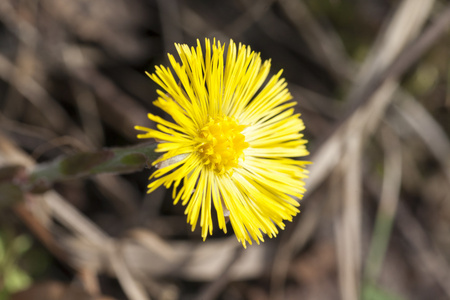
point(83, 164)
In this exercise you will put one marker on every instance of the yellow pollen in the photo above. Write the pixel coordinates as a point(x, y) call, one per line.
point(221, 144)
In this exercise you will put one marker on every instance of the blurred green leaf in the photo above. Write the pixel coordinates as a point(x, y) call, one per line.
point(12, 276)
point(16, 279)
point(373, 292)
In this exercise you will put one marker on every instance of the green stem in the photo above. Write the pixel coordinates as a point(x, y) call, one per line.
point(112, 160)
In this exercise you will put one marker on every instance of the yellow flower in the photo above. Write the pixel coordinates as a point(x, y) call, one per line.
point(232, 142)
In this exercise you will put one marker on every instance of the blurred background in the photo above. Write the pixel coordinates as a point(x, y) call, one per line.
point(372, 82)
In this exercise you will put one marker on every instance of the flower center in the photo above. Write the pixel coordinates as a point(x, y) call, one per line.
point(221, 144)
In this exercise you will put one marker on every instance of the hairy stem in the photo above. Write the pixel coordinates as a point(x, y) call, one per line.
point(83, 164)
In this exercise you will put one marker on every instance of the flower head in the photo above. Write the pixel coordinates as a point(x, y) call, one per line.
point(232, 143)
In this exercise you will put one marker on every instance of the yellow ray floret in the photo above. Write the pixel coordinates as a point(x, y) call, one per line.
point(233, 143)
